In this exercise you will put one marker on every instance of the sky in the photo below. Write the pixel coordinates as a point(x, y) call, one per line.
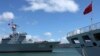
point(48, 20)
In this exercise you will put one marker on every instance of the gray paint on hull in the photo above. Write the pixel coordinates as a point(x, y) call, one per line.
point(25, 47)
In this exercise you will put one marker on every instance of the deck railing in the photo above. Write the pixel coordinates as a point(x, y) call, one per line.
point(84, 29)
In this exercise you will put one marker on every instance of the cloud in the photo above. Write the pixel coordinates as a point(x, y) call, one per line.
point(51, 40)
point(49, 34)
point(51, 5)
point(64, 40)
point(7, 16)
point(32, 39)
point(32, 23)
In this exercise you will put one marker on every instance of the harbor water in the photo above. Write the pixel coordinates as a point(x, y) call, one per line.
point(56, 52)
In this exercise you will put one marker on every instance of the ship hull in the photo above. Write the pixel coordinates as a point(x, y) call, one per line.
point(89, 51)
point(7, 48)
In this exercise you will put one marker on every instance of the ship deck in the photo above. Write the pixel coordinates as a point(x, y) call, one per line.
point(92, 27)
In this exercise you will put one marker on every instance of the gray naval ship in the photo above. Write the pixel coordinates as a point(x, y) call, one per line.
point(14, 43)
point(86, 40)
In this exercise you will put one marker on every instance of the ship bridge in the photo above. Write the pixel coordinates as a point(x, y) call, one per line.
point(84, 29)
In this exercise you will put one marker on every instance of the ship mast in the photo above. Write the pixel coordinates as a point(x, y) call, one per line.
point(13, 27)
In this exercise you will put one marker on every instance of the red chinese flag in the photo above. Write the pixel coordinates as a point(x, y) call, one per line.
point(88, 9)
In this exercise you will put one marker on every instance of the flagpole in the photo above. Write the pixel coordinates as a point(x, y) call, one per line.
point(92, 13)
point(87, 10)
point(91, 16)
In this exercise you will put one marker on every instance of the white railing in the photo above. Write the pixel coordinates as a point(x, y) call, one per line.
point(84, 29)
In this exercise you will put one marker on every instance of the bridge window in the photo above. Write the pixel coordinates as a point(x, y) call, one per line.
point(97, 36)
point(75, 40)
point(86, 39)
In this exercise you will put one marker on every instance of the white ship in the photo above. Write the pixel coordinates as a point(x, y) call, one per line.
point(86, 40)
point(14, 43)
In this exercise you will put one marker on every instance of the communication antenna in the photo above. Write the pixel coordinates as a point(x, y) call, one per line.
point(13, 27)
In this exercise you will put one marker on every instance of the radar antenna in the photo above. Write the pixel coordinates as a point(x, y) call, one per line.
point(13, 27)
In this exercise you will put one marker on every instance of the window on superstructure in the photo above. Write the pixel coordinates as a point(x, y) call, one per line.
point(97, 36)
point(86, 39)
point(75, 40)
